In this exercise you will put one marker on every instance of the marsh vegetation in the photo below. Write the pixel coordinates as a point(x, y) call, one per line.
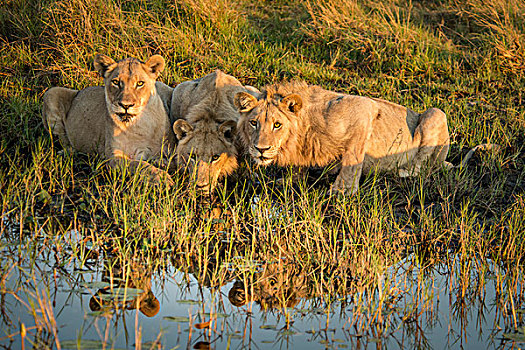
point(96, 257)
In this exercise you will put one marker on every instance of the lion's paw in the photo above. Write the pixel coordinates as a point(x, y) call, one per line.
point(345, 188)
point(404, 173)
point(160, 176)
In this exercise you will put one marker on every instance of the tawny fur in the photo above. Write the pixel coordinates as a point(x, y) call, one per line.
point(207, 151)
point(205, 122)
point(124, 120)
point(136, 275)
point(275, 285)
point(305, 125)
point(207, 98)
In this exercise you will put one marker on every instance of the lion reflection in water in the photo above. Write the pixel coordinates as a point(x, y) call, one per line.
point(278, 285)
point(139, 278)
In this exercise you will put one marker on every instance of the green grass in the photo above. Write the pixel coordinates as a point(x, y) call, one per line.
point(467, 59)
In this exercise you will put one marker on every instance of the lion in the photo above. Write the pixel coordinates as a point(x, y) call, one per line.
point(204, 121)
point(304, 125)
point(125, 120)
point(207, 151)
point(276, 285)
point(125, 289)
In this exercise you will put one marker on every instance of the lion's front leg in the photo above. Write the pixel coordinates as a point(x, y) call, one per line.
point(352, 160)
point(348, 179)
point(351, 168)
point(156, 175)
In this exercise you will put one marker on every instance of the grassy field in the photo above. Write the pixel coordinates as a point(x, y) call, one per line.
point(464, 57)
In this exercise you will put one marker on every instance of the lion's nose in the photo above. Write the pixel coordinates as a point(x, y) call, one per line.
point(262, 149)
point(126, 105)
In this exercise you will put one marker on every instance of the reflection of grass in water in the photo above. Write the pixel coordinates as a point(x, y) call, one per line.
point(294, 241)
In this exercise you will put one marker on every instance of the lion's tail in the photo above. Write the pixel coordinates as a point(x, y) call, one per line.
point(57, 102)
point(483, 147)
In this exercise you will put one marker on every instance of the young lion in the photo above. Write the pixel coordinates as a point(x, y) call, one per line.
point(204, 121)
point(124, 120)
point(304, 125)
point(207, 150)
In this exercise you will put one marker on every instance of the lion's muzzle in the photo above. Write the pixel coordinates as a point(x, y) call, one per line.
point(126, 110)
point(262, 155)
point(125, 117)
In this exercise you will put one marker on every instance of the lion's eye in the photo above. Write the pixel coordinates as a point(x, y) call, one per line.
point(115, 82)
point(140, 83)
point(253, 123)
point(215, 158)
point(277, 125)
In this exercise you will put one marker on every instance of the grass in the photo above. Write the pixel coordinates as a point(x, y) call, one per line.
point(467, 59)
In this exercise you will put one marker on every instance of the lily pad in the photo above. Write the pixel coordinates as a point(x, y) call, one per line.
point(96, 285)
point(189, 301)
point(235, 336)
point(84, 344)
point(98, 313)
point(268, 326)
point(151, 345)
point(135, 292)
point(75, 290)
point(517, 337)
point(117, 297)
point(176, 318)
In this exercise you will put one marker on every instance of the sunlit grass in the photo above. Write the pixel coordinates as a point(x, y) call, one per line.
point(280, 239)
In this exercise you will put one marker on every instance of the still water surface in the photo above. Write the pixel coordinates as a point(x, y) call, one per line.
point(444, 307)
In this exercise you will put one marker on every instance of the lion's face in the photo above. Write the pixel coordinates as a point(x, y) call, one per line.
point(275, 286)
point(129, 84)
point(207, 151)
point(266, 124)
point(139, 278)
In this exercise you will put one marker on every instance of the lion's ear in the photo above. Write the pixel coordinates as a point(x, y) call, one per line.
point(228, 129)
point(155, 65)
point(102, 64)
point(225, 80)
point(220, 79)
point(293, 103)
point(182, 128)
point(244, 102)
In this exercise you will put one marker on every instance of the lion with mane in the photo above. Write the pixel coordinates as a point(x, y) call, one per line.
point(304, 125)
